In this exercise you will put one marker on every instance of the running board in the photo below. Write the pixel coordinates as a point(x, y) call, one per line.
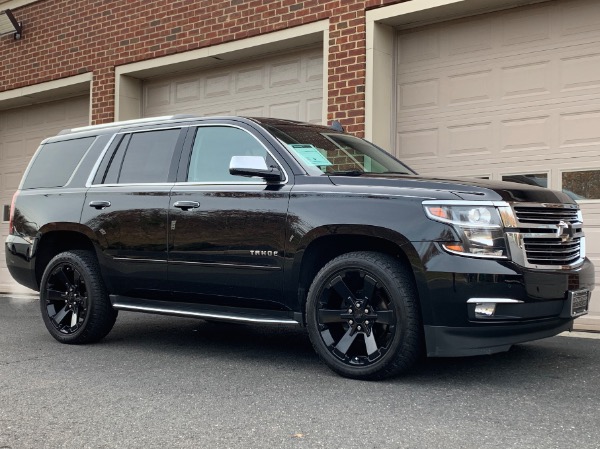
point(207, 311)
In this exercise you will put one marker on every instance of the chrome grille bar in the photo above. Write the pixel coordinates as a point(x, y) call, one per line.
point(547, 236)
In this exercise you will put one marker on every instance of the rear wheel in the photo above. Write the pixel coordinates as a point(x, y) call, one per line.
point(362, 316)
point(73, 300)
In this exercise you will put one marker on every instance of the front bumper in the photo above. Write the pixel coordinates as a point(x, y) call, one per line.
point(445, 341)
point(538, 304)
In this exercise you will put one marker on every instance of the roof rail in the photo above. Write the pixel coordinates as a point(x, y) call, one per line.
point(137, 121)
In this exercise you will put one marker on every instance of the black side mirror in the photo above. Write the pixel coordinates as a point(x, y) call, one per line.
point(254, 166)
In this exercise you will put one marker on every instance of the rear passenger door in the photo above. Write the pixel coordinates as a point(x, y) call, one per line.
point(227, 233)
point(127, 208)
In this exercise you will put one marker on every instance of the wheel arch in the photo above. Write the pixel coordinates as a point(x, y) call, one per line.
point(326, 243)
point(59, 237)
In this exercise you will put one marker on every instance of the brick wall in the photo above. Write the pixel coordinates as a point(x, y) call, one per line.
point(65, 37)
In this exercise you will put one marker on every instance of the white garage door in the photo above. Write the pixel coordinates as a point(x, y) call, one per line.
point(21, 131)
point(512, 93)
point(286, 86)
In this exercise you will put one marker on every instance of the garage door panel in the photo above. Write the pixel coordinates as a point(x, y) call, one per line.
point(157, 95)
point(285, 73)
point(577, 18)
point(250, 80)
point(507, 93)
point(525, 26)
point(252, 112)
point(21, 131)
point(186, 90)
point(217, 86)
point(314, 110)
point(289, 110)
point(288, 86)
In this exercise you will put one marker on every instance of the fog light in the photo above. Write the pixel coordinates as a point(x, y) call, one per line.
point(485, 309)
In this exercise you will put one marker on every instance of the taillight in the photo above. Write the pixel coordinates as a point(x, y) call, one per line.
point(12, 213)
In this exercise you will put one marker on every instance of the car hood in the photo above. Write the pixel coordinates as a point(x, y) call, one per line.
point(467, 189)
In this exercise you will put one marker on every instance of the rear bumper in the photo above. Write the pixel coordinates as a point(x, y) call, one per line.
point(20, 261)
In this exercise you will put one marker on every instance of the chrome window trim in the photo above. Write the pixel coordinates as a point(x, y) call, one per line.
point(94, 171)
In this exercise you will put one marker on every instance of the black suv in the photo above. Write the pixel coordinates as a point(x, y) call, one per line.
point(275, 221)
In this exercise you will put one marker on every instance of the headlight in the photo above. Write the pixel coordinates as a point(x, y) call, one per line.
point(478, 226)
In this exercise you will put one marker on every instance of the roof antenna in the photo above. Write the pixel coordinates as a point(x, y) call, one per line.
point(337, 126)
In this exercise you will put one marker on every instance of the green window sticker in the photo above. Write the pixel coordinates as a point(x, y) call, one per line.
point(310, 154)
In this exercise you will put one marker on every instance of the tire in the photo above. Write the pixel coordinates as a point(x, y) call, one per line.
point(73, 300)
point(363, 317)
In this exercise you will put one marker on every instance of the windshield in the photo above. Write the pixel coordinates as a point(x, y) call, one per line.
point(321, 150)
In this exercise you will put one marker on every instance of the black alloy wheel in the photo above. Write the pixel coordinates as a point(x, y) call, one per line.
point(66, 298)
point(363, 317)
point(73, 300)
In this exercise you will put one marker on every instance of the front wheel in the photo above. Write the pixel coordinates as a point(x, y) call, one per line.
point(73, 300)
point(362, 316)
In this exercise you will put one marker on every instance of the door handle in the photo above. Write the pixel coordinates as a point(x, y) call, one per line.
point(100, 204)
point(186, 205)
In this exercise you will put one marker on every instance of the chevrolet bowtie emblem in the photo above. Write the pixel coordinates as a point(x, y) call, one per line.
point(565, 231)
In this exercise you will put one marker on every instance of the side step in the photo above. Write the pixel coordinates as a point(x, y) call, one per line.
point(212, 312)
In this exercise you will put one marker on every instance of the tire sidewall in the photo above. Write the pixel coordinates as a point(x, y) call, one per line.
point(73, 259)
point(397, 292)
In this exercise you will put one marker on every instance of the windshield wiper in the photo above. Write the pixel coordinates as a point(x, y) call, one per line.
point(346, 173)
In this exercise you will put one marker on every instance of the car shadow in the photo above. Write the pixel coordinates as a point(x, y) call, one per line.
point(554, 359)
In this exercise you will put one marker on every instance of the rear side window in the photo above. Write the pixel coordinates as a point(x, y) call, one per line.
point(56, 162)
point(145, 157)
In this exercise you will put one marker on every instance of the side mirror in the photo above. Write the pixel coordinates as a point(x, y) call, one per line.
point(253, 166)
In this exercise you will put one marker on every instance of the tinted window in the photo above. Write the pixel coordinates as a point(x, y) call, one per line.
point(148, 156)
point(321, 150)
point(213, 149)
point(56, 162)
point(114, 163)
point(107, 160)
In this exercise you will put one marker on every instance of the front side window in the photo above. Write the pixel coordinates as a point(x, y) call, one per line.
point(214, 146)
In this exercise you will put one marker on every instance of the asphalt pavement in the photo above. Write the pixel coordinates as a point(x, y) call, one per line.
point(159, 381)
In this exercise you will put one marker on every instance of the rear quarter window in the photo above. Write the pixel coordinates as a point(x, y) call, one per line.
point(55, 162)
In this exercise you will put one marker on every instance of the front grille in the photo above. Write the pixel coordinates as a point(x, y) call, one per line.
point(544, 215)
point(552, 251)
